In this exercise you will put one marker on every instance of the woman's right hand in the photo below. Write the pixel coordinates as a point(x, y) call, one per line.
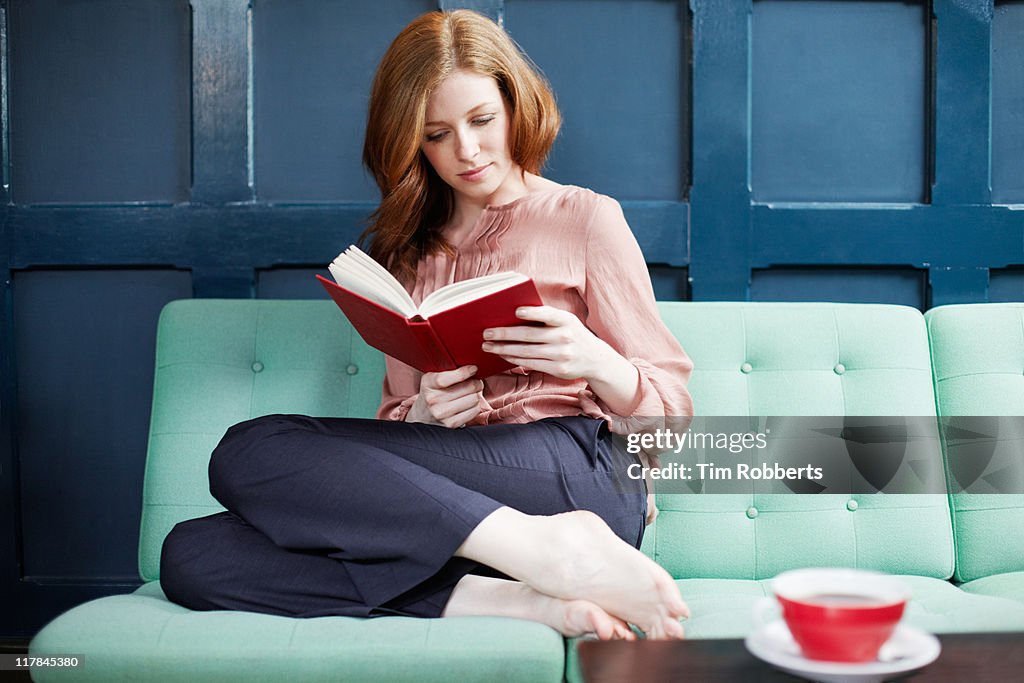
point(451, 398)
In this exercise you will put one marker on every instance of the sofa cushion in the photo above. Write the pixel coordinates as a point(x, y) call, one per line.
point(1008, 585)
point(814, 359)
point(978, 355)
point(219, 362)
point(144, 637)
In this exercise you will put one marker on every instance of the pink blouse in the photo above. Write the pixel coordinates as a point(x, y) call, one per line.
point(578, 249)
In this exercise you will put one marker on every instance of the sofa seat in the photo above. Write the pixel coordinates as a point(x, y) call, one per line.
point(1008, 585)
point(145, 637)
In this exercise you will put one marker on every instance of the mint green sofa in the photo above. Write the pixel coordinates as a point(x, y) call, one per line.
point(220, 362)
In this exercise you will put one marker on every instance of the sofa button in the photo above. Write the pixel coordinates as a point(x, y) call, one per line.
point(751, 512)
point(851, 505)
point(352, 368)
point(257, 366)
point(746, 368)
point(839, 368)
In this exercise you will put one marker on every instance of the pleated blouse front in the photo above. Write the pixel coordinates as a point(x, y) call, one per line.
point(582, 256)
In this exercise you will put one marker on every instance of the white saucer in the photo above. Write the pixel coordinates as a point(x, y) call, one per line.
point(907, 650)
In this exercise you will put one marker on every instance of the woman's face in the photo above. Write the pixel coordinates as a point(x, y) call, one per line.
point(465, 137)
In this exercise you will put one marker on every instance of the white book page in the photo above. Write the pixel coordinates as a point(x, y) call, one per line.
point(459, 293)
point(355, 270)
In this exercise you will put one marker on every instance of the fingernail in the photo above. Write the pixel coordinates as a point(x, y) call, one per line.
point(487, 346)
point(488, 334)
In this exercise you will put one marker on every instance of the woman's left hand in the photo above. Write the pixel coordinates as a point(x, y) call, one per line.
point(563, 347)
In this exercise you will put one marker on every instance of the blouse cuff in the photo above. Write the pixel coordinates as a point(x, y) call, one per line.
point(647, 404)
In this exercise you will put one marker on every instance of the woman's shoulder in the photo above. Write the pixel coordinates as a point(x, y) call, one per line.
point(548, 195)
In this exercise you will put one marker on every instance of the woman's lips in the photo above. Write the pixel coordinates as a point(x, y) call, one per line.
point(476, 173)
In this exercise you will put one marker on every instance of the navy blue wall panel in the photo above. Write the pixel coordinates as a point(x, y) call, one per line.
point(290, 283)
point(619, 71)
point(313, 63)
point(1008, 103)
point(847, 285)
point(1006, 284)
point(838, 101)
point(100, 101)
point(84, 341)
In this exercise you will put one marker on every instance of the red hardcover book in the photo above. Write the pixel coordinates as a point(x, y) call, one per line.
point(446, 331)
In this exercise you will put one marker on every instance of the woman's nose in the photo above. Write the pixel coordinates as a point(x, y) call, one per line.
point(468, 146)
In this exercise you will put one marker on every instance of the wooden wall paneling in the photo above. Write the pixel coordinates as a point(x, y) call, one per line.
point(86, 124)
point(495, 9)
point(962, 102)
point(838, 101)
point(905, 286)
point(1008, 103)
point(720, 196)
point(10, 537)
point(84, 341)
point(1006, 284)
point(313, 63)
point(220, 101)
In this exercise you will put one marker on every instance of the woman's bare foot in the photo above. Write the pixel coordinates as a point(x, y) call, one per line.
point(486, 596)
point(575, 556)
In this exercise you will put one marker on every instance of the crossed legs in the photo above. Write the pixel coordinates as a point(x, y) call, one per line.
point(408, 514)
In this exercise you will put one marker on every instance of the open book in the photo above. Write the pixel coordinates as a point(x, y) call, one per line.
point(445, 331)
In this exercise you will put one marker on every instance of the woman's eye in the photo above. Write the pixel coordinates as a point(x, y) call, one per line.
point(483, 120)
point(436, 137)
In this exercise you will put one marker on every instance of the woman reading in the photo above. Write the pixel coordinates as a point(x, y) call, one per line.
point(498, 495)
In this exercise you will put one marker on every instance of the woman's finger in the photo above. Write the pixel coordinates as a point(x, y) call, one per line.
point(448, 378)
point(529, 351)
point(447, 406)
point(548, 315)
point(461, 419)
point(523, 333)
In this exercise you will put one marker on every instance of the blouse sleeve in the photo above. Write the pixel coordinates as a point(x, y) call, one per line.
point(621, 310)
point(400, 390)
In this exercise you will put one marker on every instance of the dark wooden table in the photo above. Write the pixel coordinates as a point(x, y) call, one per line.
point(970, 657)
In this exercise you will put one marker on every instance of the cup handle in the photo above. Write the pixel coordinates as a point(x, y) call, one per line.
point(765, 611)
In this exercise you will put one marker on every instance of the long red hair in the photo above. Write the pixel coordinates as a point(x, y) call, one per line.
point(415, 203)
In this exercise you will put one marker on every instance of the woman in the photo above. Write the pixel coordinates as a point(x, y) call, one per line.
point(523, 512)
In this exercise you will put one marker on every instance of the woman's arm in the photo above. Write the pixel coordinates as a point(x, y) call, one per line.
point(632, 364)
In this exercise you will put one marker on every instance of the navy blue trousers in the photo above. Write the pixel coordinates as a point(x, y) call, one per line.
point(353, 517)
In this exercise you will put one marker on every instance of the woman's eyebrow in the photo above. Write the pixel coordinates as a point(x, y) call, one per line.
point(484, 105)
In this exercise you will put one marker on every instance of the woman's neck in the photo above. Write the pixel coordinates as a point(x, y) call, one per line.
point(467, 210)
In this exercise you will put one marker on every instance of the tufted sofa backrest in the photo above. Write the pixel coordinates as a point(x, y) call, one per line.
point(223, 361)
point(978, 360)
point(803, 359)
point(219, 362)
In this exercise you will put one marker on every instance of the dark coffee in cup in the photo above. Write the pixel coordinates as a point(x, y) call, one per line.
point(843, 599)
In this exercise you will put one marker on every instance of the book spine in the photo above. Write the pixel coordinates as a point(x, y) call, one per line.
point(432, 346)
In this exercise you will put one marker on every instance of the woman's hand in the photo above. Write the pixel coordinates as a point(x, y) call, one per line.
point(563, 347)
point(449, 398)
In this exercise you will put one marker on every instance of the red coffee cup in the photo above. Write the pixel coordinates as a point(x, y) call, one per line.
point(840, 615)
